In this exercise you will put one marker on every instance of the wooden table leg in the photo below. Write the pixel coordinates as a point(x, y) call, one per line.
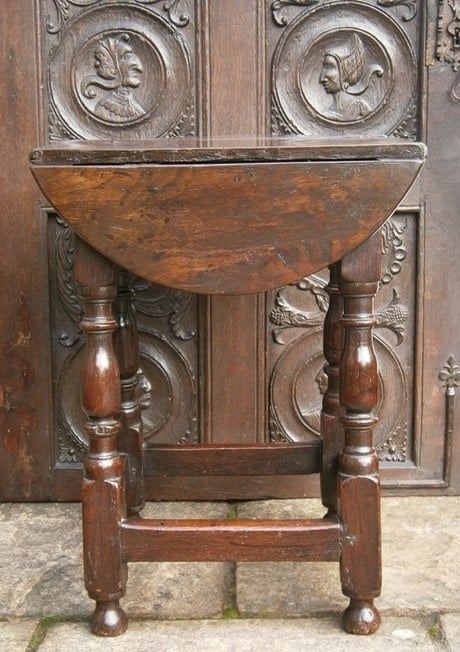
point(359, 486)
point(130, 436)
point(103, 498)
point(331, 427)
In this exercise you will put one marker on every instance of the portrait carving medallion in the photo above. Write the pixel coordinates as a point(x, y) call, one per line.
point(120, 71)
point(350, 76)
point(298, 384)
point(127, 80)
point(344, 68)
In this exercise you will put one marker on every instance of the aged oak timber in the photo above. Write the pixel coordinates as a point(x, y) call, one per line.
point(229, 217)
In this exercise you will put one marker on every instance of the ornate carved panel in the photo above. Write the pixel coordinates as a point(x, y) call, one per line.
point(297, 379)
point(119, 70)
point(448, 39)
point(168, 368)
point(101, 70)
point(344, 67)
point(347, 67)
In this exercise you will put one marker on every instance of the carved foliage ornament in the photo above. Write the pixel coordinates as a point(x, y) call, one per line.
point(409, 5)
point(278, 5)
point(62, 8)
point(450, 376)
point(173, 9)
point(448, 42)
point(281, 20)
point(449, 33)
point(450, 379)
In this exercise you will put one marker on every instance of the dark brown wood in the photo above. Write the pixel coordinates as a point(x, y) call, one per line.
point(225, 149)
point(241, 540)
point(317, 193)
point(130, 436)
point(359, 483)
point(331, 427)
point(256, 46)
point(25, 467)
point(237, 459)
point(139, 214)
point(43, 449)
point(103, 492)
point(233, 356)
point(232, 329)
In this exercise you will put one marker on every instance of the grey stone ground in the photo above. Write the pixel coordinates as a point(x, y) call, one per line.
point(231, 607)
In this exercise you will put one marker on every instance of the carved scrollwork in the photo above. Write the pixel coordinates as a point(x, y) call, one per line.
point(448, 45)
point(278, 5)
point(62, 8)
point(172, 8)
point(409, 5)
point(159, 301)
point(65, 250)
point(393, 248)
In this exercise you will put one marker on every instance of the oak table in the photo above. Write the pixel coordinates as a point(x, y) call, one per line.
point(229, 216)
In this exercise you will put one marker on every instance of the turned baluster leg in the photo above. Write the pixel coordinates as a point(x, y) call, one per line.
point(103, 484)
point(130, 435)
point(359, 487)
point(331, 427)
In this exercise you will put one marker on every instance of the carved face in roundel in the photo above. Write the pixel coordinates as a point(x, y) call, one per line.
point(330, 75)
point(130, 69)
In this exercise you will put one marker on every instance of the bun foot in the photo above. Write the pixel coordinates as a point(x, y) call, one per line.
point(108, 619)
point(361, 617)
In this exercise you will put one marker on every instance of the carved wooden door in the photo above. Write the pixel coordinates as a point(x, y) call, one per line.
point(219, 369)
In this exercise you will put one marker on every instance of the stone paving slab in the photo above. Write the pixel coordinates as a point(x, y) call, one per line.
point(421, 563)
point(41, 570)
point(450, 625)
point(242, 636)
point(16, 634)
point(41, 567)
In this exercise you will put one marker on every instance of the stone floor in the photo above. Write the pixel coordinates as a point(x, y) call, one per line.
point(244, 607)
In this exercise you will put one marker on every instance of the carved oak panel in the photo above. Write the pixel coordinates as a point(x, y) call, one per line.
point(143, 68)
point(297, 379)
point(119, 70)
point(168, 355)
point(347, 67)
point(343, 67)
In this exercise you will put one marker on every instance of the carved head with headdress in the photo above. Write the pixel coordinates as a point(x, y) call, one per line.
point(118, 69)
point(345, 68)
point(116, 65)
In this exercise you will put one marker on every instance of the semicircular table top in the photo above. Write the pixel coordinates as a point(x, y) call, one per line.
point(226, 216)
